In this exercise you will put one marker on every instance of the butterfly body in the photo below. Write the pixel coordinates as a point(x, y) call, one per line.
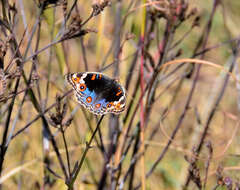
point(97, 92)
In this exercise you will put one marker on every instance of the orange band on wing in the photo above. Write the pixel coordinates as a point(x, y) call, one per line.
point(93, 77)
point(98, 105)
point(118, 106)
point(120, 92)
point(89, 99)
point(76, 79)
point(82, 87)
point(109, 104)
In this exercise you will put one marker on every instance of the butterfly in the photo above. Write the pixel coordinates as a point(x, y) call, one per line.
point(97, 92)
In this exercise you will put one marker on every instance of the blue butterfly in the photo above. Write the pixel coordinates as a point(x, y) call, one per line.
point(97, 92)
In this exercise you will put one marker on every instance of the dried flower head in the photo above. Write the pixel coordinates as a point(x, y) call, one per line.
point(99, 5)
point(228, 182)
point(57, 118)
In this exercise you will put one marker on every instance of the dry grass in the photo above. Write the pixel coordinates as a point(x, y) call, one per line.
point(180, 126)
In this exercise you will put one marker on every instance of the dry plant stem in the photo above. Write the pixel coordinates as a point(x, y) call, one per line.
point(210, 152)
point(35, 103)
point(71, 9)
point(55, 41)
point(52, 172)
point(19, 109)
point(152, 84)
point(88, 19)
point(132, 67)
point(136, 157)
point(113, 120)
point(202, 44)
point(46, 127)
point(72, 180)
point(14, 48)
point(166, 42)
point(36, 62)
point(214, 107)
point(179, 121)
point(4, 146)
point(121, 26)
point(99, 144)
point(30, 37)
point(4, 137)
point(175, 130)
point(207, 49)
point(131, 120)
point(149, 85)
point(142, 114)
point(121, 169)
point(6, 128)
point(15, 53)
point(39, 116)
point(142, 121)
point(56, 149)
point(118, 168)
point(66, 149)
point(181, 118)
point(131, 168)
point(114, 138)
point(111, 151)
point(84, 54)
point(12, 95)
point(41, 50)
point(103, 67)
point(181, 39)
point(114, 144)
point(180, 84)
point(131, 104)
point(49, 63)
point(133, 115)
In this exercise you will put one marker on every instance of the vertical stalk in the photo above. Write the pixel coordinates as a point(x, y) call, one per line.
point(143, 26)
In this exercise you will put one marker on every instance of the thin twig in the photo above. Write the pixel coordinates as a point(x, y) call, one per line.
point(88, 146)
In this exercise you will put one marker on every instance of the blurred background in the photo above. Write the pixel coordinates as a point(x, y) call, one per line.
point(180, 126)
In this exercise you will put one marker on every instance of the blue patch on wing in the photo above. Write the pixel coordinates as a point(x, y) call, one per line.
point(102, 102)
point(86, 94)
